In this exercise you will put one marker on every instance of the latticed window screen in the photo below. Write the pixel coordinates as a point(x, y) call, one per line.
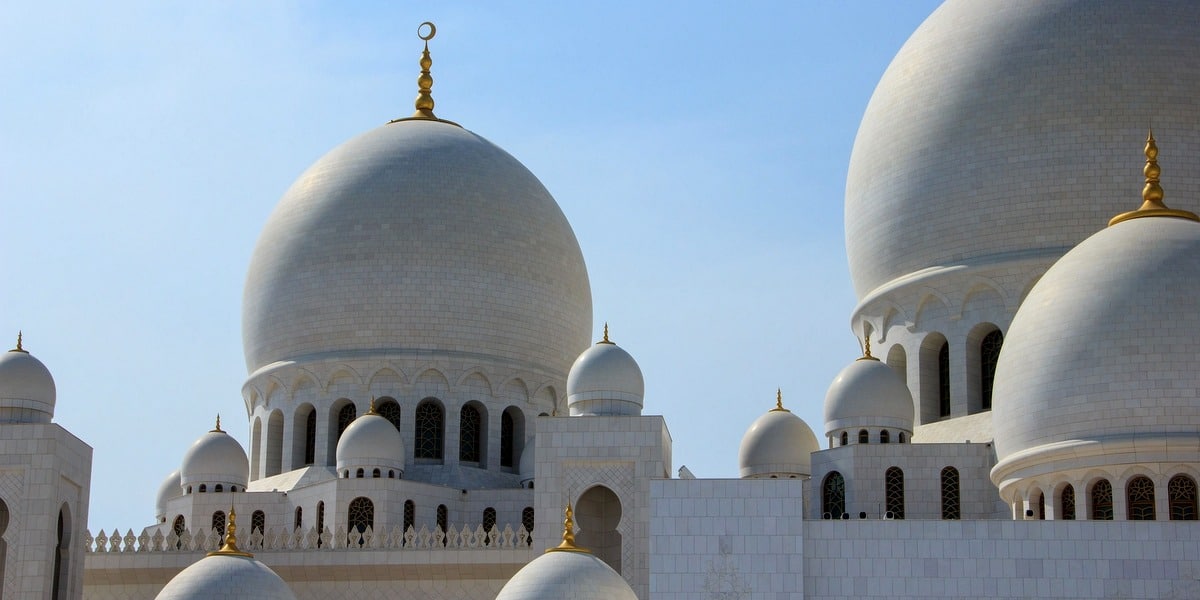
point(258, 522)
point(469, 425)
point(951, 503)
point(1102, 506)
point(179, 526)
point(944, 380)
point(833, 495)
point(310, 438)
point(506, 439)
point(1181, 495)
point(989, 353)
point(389, 410)
point(218, 523)
point(345, 417)
point(361, 514)
point(1139, 495)
point(429, 429)
point(527, 522)
point(1066, 502)
point(894, 492)
point(489, 521)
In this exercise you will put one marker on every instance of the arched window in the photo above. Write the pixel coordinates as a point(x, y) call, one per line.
point(1041, 507)
point(258, 522)
point(1181, 495)
point(429, 428)
point(1102, 505)
point(3, 545)
point(203, 488)
point(951, 504)
point(470, 435)
point(360, 516)
point(506, 439)
point(256, 448)
point(1066, 509)
point(346, 416)
point(944, 380)
point(489, 522)
point(845, 438)
point(218, 488)
point(833, 495)
point(298, 521)
point(310, 437)
point(1139, 498)
point(62, 557)
point(320, 523)
point(864, 437)
point(989, 353)
point(410, 515)
point(900, 437)
point(894, 492)
point(358, 474)
point(375, 474)
point(885, 437)
point(273, 461)
point(179, 526)
point(527, 522)
point(443, 521)
point(390, 410)
point(218, 523)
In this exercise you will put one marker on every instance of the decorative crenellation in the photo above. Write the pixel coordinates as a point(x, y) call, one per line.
point(279, 539)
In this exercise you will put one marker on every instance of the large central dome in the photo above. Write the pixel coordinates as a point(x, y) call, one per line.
point(1003, 130)
point(417, 237)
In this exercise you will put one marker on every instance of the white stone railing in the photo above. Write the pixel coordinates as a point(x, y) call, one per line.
point(281, 540)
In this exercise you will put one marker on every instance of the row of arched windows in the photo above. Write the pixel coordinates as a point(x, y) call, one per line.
point(217, 489)
point(983, 354)
point(833, 494)
point(428, 428)
point(864, 437)
point(1140, 502)
point(375, 474)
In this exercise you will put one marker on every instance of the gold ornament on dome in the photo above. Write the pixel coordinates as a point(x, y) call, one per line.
point(568, 537)
point(779, 401)
point(424, 102)
point(230, 547)
point(1152, 194)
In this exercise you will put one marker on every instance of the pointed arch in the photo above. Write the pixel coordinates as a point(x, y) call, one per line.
point(598, 514)
point(476, 379)
point(389, 379)
point(984, 297)
point(933, 310)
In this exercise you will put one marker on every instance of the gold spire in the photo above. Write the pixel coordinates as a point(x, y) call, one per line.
point(19, 348)
point(605, 340)
point(424, 101)
point(568, 538)
point(217, 429)
point(230, 547)
point(371, 408)
point(779, 401)
point(1152, 194)
point(867, 344)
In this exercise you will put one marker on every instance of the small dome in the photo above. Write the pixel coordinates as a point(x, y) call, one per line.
point(868, 393)
point(215, 458)
point(605, 380)
point(229, 574)
point(1099, 360)
point(528, 461)
point(567, 573)
point(27, 391)
point(370, 442)
point(169, 488)
point(777, 444)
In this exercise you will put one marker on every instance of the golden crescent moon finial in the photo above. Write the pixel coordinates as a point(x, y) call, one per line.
point(432, 30)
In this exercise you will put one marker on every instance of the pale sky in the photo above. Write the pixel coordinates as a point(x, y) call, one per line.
point(699, 153)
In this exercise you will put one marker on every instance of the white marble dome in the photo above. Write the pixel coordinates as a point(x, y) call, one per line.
point(868, 394)
point(1001, 131)
point(1098, 367)
point(370, 442)
point(605, 380)
point(215, 458)
point(777, 444)
point(27, 391)
point(527, 466)
point(169, 488)
point(227, 577)
point(558, 575)
point(417, 237)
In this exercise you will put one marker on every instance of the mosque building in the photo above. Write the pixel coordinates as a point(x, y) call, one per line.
point(429, 419)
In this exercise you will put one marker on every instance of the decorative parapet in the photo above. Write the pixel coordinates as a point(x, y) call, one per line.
point(278, 539)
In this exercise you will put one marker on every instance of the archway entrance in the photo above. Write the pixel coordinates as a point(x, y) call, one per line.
point(598, 513)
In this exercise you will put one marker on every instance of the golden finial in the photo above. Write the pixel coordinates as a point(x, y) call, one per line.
point(605, 340)
point(217, 429)
point(1152, 194)
point(230, 547)
point(424, 102)
point(19, 348)
point(371, 408)
point(779, 401)
point(568, 538)
point(867, 344)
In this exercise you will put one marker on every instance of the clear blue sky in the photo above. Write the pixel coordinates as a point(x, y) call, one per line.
point(699, 152)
